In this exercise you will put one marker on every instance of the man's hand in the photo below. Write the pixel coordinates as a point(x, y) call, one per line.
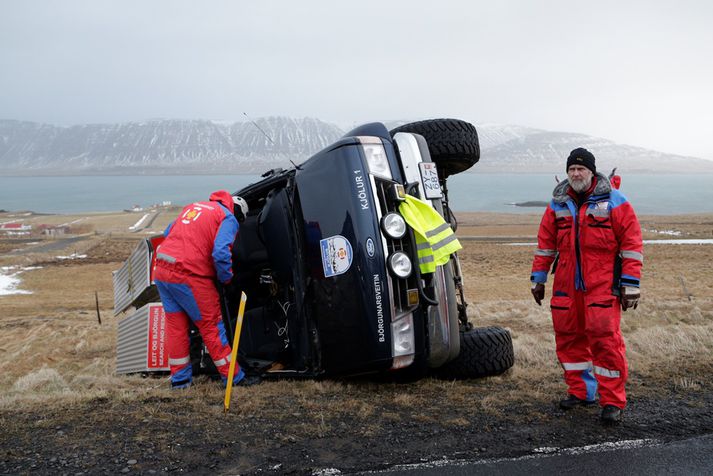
point(629, 297)
point(228, 288)
point(538, 292)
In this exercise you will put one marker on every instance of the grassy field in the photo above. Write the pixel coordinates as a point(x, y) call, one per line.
point(56, 357)
point(53, 346)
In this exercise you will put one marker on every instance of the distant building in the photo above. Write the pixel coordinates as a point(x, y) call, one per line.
point(14, 228)
point(51, 230)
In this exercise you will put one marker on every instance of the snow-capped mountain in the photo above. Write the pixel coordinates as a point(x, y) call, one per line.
point(521, 149)
point(173, 146)
point(201, 146)
point(506, 148)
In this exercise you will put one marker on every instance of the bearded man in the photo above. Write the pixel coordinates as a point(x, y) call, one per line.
point(590, 236)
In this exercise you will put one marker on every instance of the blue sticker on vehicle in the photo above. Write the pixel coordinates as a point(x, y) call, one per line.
point(336, 255)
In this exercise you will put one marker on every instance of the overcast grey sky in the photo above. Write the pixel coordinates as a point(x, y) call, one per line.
point(638, 72)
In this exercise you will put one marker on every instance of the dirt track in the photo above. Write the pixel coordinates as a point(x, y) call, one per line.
point(62, 411)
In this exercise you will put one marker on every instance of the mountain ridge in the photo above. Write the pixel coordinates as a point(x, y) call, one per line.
point(176, 146)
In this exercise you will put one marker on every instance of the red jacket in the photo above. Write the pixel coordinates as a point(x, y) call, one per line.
point(200, 240)
point(598, 244)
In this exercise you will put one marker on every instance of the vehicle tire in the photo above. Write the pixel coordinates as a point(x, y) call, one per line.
point(452, 143)
point(484, 351)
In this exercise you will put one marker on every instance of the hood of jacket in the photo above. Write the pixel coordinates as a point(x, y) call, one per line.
point(224, 198)
point(561, 192)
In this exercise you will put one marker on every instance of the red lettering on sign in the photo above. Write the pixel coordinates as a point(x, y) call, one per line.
point(156, 358)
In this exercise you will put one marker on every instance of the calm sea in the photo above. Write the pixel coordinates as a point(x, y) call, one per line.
point(650, 194)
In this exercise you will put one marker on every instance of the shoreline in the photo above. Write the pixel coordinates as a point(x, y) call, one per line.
point(517, 211)
point(468, 193)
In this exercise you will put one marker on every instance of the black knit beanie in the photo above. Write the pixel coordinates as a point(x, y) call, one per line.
point(581, 157)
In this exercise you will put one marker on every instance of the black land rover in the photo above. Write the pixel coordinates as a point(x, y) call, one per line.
point(330, 266)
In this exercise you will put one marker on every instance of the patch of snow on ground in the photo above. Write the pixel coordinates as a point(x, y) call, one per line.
point(665, 232)
point(691, 241)
point(9, 281)
point(72, 256)
point(73, 222)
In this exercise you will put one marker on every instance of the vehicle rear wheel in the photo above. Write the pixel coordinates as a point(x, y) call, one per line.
point(452, 143)
point(484, 351)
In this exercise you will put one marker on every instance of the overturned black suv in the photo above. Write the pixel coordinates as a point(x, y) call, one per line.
point(330, 267)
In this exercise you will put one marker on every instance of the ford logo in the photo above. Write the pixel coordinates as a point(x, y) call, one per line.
point(370, 247)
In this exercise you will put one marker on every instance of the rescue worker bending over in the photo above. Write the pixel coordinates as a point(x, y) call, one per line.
point(593, 233)
point(196, 252)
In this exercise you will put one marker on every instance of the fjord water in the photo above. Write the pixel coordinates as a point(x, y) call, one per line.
point(650, 194)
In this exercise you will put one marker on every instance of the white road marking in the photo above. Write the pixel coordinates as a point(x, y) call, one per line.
point(538, 453)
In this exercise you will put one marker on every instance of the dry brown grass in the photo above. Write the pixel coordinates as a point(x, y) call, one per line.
point(54, 352)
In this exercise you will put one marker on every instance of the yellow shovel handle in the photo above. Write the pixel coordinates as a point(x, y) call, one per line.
point(234, 353)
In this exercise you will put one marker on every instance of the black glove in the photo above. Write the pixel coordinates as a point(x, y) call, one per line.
point(629, 297)
point(538, 292)
point(229, 288)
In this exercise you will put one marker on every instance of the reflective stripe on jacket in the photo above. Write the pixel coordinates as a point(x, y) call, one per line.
point(435, 239)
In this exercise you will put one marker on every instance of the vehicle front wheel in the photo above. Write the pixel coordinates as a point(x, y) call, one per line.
point(484, 351)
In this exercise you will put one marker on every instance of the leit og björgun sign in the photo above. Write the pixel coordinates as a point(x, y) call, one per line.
point(157, 357)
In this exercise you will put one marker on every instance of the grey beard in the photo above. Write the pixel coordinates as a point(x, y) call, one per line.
point(580, 186)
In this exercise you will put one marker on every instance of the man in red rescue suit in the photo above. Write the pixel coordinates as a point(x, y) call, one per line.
point(196, 252)
point(591, 231)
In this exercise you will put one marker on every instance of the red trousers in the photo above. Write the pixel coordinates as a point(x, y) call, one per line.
point(188, 298)
point(590, 346)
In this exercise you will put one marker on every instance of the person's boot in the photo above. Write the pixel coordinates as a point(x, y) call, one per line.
point(248, 381)
point(572, 402)
point(611, 414)
point(181, 385)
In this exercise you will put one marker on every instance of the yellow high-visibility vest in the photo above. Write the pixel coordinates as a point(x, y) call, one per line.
point(435, 239)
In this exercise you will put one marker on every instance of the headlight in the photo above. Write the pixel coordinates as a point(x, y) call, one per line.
point(376, 157)
point(393, 225)
point(400, 265)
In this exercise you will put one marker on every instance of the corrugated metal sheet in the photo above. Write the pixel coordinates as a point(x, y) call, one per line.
point(133, 343)
point(132, 282)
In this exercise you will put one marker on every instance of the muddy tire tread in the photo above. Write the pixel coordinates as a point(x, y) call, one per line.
point(485, 351)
